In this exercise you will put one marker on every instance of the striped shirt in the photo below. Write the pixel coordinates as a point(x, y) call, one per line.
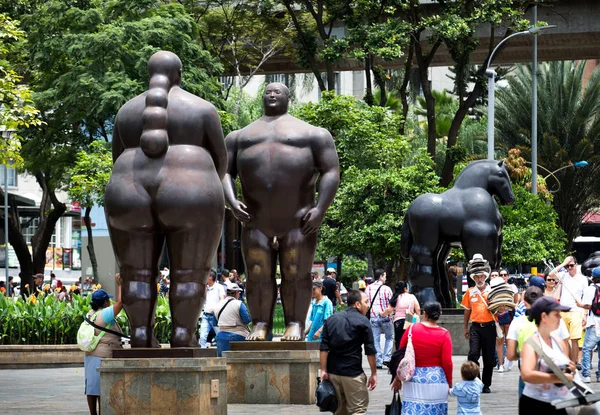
point(382, 302)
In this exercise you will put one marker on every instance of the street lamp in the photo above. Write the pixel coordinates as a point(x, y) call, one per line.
point(577, 165)
point(491, 74)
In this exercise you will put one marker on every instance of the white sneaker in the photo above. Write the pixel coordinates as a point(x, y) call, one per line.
point(501, 369)
point(586, 379)
point(509, 365)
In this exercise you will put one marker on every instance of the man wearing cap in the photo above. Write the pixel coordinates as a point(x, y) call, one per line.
point(571, 295)
point(233, 318)
point(332, 290)
point(521, 328)
point(38, 283)
point(103, 314)
point(592, 327)
point(320, 309)
point(214, 294)
point(482, 333)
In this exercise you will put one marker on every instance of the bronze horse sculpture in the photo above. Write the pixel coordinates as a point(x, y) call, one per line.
point(467, 214)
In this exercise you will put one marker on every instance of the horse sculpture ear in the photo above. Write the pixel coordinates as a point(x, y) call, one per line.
point(501, 163)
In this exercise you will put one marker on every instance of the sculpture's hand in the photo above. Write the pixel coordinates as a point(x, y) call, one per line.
point(239, 211)
point(311, 221)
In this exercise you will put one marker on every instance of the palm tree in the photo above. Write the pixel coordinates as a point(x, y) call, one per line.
point(568, 131)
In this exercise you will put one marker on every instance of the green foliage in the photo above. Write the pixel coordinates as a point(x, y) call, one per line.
point(352, 269)
point(365, 137)
point(16, 106)
point(568, 131)
point(88, 178)
point(531, 232)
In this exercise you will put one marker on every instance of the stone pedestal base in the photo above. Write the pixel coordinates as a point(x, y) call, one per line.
point(272, 376)
point(163, 386)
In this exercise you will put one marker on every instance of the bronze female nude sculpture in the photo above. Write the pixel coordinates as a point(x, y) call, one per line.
point(278, 159)
point(169, 159)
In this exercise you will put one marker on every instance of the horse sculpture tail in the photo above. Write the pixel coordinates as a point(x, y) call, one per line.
point(406, 240)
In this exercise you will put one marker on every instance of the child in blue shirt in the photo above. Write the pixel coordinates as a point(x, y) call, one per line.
point(467, 392)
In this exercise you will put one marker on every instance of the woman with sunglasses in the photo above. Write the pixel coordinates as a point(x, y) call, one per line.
point(552, 287)
point(504, 320)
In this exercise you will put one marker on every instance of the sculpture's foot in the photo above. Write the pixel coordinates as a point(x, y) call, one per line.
point(292, 333)
point(143, 337)
point(260, 332)
point(183, 337)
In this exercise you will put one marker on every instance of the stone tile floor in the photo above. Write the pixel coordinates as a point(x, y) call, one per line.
point(60, 391)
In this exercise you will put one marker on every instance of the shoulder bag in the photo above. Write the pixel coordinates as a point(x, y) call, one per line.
point(406, 368)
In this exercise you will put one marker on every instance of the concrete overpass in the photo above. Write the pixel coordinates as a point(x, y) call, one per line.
point(577, 37)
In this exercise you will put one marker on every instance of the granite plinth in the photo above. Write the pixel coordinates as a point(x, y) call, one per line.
point(164, 353)
point(272, 376)
point(163, 386)
point(260, 346)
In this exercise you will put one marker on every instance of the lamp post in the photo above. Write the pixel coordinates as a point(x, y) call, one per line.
point(491, 74)
point(6, 134)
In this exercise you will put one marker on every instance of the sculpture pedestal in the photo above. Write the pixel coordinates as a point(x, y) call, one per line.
point(163, 386)
point(274, 376)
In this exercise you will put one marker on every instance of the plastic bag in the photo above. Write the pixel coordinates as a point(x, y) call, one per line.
point(326, 399)
point(395, 408)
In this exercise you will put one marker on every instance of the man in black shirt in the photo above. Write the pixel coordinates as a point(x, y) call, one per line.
point(341, 355)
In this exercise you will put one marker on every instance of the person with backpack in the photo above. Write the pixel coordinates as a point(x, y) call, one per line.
point(103, 315)
point(233, 319)
point(591, 299)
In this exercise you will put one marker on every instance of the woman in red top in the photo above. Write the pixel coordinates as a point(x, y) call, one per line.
point(427, 391)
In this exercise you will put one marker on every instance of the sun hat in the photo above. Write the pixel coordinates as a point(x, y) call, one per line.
point(330, 270)
point(478, 266)
point(537, 282)
point(362, 285)
point(317, 284)
point(233, 287)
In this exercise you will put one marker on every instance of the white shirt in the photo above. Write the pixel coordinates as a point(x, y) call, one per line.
point(572, 287)
point(588, 298)
point(213, 296)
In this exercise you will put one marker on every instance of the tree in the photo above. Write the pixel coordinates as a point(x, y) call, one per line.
point(86, 183)
point(87, 58)
point(242, 34)
point(568, 131)
point(377, 179)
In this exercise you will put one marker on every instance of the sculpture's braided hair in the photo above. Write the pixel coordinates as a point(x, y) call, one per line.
point(165, 72)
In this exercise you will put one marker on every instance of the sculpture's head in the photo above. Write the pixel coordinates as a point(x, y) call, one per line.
point(167, 64)
point(276, 99)
point(499, 183)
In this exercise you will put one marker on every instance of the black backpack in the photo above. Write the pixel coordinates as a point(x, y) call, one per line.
point(595, 306)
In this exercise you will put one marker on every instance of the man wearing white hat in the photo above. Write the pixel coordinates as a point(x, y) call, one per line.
point(331, 287)
point(482, 333)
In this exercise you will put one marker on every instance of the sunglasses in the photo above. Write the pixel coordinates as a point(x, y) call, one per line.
point(571, 265)
point(550, 280)
point(504, 275)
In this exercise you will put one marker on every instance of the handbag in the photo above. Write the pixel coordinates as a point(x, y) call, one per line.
point(406, 368)
point(395, 408)
point(325, 394)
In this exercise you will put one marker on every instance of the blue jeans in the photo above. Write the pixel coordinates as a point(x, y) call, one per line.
point(209, 321)
point(589, 342)
point(223, 340)
point(379, 324)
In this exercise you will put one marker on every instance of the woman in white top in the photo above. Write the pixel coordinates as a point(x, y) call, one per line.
point(542, 386)
point(401, 302)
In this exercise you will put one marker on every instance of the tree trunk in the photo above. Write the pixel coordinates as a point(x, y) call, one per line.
point(18, 242)
point(369, 90)
point(90, 244)
point(461, 113)
point(423, 63)
point(48, 219)
point(404, 88)
point(378, 74)
point(330, 77)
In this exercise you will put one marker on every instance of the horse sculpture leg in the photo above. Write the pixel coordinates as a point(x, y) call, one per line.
point(442, 288)
point(481, 238)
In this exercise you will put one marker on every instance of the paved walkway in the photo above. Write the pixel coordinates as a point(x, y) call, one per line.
point(60, 391)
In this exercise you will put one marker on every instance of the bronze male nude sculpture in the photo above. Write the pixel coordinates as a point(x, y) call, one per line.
point(278, 159)
point(169, 159)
